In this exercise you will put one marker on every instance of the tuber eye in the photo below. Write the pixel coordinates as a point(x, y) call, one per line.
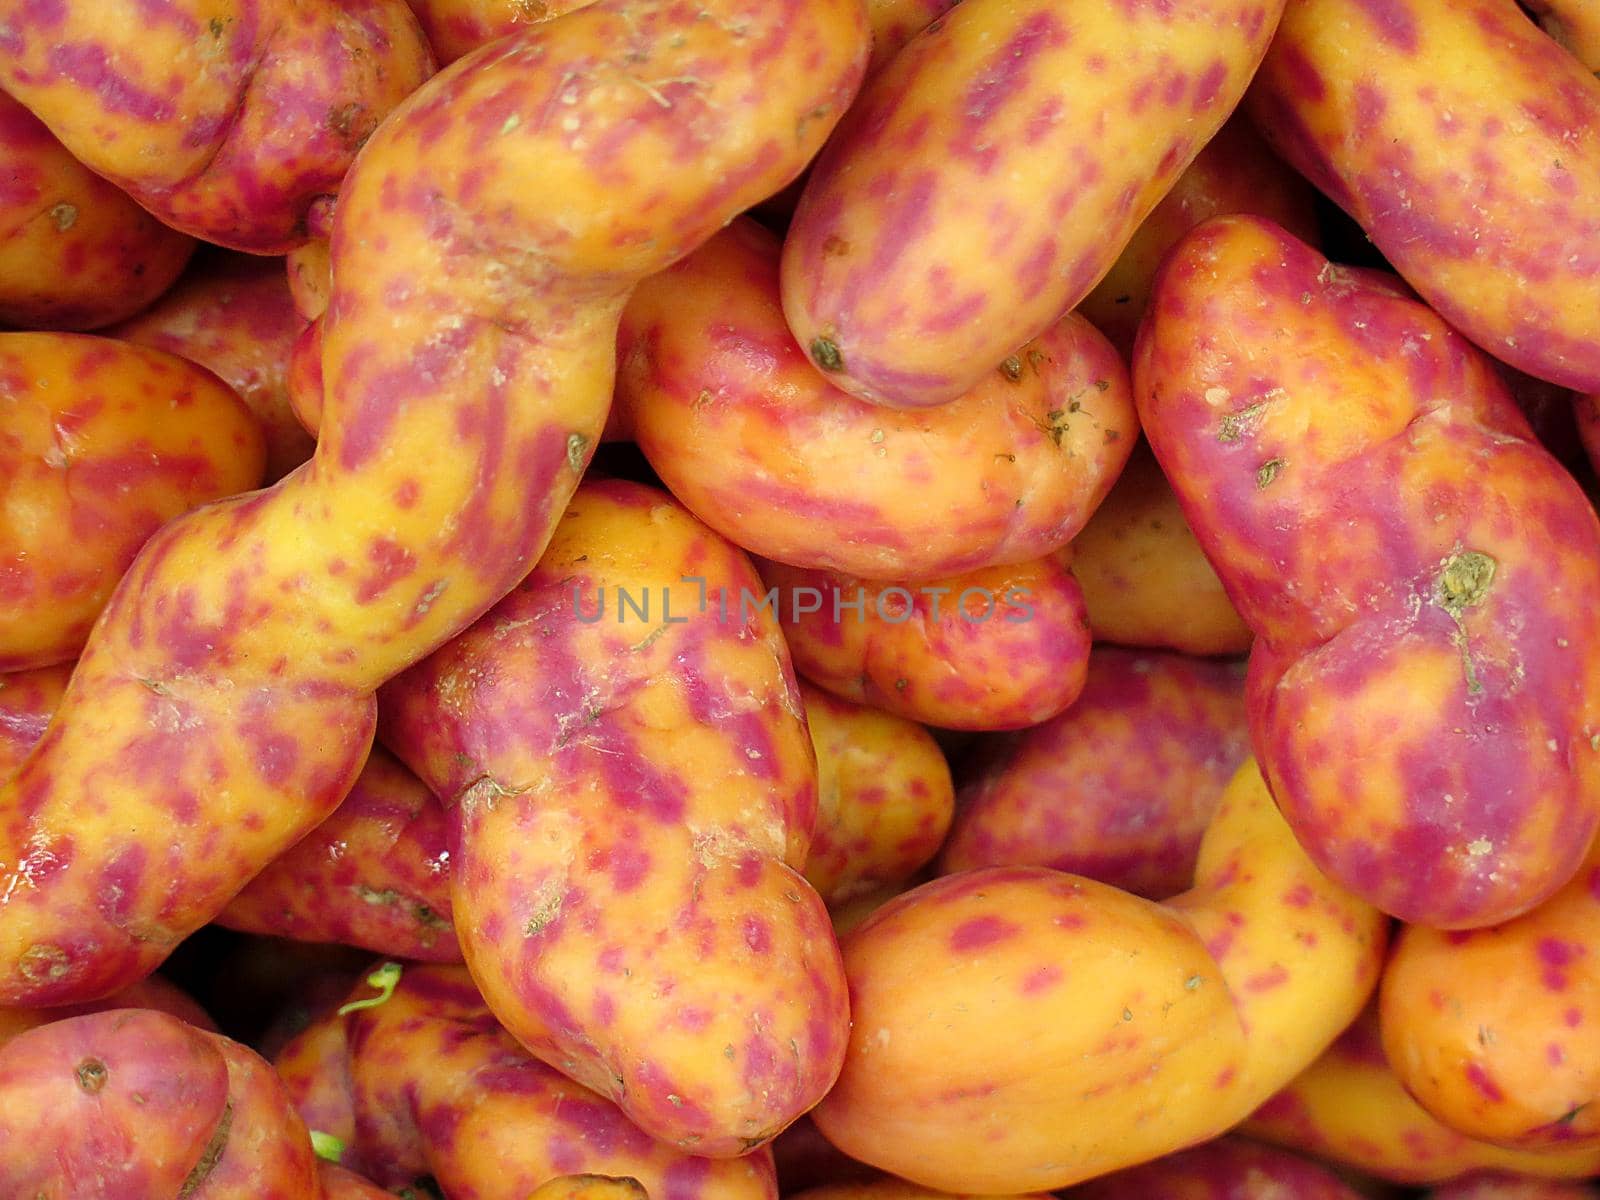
point(92, 1075)
point(826, 354)
point(1465, 581)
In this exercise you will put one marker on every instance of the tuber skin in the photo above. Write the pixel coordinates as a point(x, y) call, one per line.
point(1496, 1031)
point(154, 992)
point(455, 28)
point(1466, 143)
point(739, 426)
point(1349, 1108)
point(884, 798)
point(340, 1184)
point(375, 874)
point(75, 252)
point(234, 315)
point(428, 1083)
point(310, 271)
point(997, 648)
point(895, 22)
point(28, 700)
point(1145, 580)
point(468, 354)
point(1424, 691)
point(103, 444)
point(633, 794)
point(1120, 787)
point(303, 380)
point(135, 1102)
point(231, 120)
point(590, 1187)
point(1007, 1022)
point(1574, 24)
point(992, 172)
point(1235, 172)
point(851, 913)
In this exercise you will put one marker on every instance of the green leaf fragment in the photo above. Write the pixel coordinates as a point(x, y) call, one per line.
point(386, 978)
